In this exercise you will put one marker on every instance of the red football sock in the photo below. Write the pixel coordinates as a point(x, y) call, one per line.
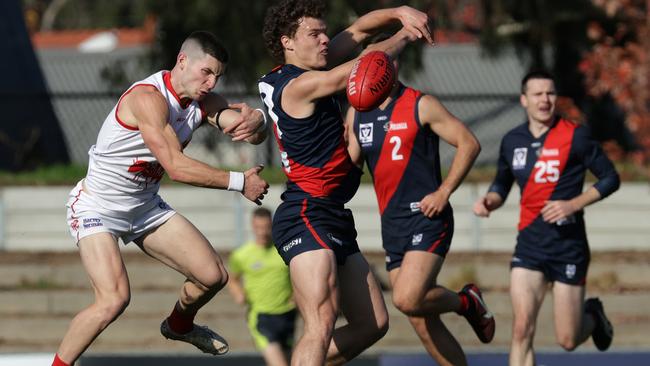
point(58, 362)
point(464, 303)
point(179, 322)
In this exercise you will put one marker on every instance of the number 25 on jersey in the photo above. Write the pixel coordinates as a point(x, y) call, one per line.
point(547, 171)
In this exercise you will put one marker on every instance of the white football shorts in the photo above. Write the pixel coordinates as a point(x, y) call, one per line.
point(86, 217)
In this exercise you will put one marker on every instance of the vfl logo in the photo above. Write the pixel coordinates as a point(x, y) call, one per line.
point(365, 133)
point(292, 244)
point(519, 158)
point(417, 239)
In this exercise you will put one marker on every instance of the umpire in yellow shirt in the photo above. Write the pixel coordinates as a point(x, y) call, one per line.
point(260, 279)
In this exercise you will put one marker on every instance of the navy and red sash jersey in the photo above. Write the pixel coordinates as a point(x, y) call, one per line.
point(313, 151)
point(401, 153)
point(551, 167)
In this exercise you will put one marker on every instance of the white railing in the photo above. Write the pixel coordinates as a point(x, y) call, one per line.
point(33, 218)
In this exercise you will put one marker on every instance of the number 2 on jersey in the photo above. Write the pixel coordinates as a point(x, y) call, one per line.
point(547, 171)
point(395, 155)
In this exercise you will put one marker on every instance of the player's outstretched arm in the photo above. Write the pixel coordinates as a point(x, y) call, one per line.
point(453, 131)
point(347, 41)
point(238, 120)
point(300, 93)
point(146, 109)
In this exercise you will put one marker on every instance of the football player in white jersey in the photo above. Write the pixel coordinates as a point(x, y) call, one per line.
point(142, 138)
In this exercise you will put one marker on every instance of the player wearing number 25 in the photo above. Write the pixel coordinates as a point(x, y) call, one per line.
point(548, 157)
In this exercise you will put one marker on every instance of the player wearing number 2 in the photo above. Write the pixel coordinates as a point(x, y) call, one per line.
point(548, 157)
point(399, 141)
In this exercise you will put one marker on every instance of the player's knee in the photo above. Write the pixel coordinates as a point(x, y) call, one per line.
point(111, 306)
point(406, 302)
point(523, 331)
point(567, 342)
point(214, 278)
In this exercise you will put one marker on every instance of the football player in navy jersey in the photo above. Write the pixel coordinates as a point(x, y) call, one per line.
point(548, 157)
point(312, 230)
point(399, 141)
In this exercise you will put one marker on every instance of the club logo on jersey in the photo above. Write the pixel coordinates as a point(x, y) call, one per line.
point(417, 239)
point(365, 133)
point(519, 158)
point(570, 271)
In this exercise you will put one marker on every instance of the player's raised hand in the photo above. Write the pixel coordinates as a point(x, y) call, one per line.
point(416, 22)
point(249, 121)
point(254, 186)
point(554, 211)
point(433, 203)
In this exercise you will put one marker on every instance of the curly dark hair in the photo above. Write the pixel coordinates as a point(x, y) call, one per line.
point(282, 20)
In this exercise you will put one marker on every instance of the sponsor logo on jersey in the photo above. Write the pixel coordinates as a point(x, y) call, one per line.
point(519, 158)
point(550, 152)
point(395, 126)
point(570, 271)
point(417, 239)
point(365, 133)
point(415, 206)
point(382, 118)
point(334, 239)
point(291, 244)
point(74, 225)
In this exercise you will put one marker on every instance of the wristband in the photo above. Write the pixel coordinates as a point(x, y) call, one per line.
point(236, 182)
point(263, 126)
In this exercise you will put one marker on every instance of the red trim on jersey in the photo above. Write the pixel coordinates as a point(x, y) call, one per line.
point(311, 228)
point(437, 242)
point(204, 113)
point(557, 146)
point(117, 108)
point(319, 182)
point(388, 172)
point(167, 79)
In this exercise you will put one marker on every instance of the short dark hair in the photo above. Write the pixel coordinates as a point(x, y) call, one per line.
point(262, 212)
point(282, 20)
point(210, 45)
point(535, 74)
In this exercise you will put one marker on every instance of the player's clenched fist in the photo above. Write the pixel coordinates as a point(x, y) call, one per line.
point(254, 186)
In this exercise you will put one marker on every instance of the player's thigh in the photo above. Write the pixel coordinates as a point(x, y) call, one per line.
point(362, 300)
point(180, 245)
point(417, 274)
point(567, 308)
point(314, 280)
point(101, 257)
point(527, 291)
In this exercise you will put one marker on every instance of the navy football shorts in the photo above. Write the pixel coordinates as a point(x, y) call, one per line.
point(312, 224)
point(417, 233)
point(567, 263)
